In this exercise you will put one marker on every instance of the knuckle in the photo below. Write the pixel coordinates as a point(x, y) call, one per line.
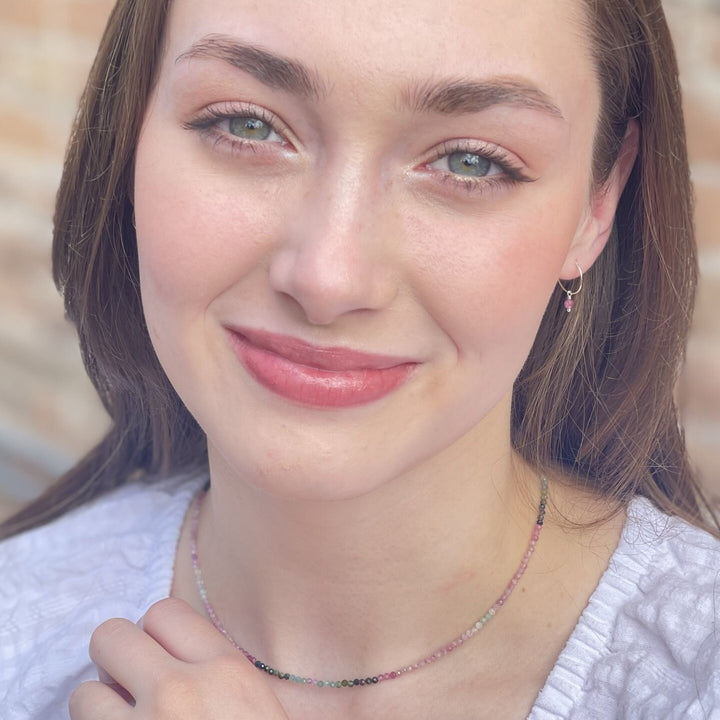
point(81, 700)
point(159, 610)
point(106, 632)
point(76, 701)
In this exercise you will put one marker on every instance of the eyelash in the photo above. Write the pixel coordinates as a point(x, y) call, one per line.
point(511, 173)
point(208, 124)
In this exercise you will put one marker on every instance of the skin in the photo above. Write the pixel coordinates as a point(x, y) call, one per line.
point(346, 226)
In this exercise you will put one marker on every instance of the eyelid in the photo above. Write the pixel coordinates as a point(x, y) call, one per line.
point(500, 157)
point(210, 117)
point(512, 170)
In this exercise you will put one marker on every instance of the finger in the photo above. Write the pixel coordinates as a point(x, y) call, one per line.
point(96, 701)
point(184, 633)
point(128, 655)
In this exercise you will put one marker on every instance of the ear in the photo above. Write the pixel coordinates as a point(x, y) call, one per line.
point(597, 226)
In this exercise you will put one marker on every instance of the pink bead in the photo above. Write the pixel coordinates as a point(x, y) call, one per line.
point(569, 304)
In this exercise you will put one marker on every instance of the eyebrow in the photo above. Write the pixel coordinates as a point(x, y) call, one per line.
point(270, 69)
point(445, 97)
point(458, 97)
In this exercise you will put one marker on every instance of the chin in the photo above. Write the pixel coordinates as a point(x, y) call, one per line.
point(301, 476)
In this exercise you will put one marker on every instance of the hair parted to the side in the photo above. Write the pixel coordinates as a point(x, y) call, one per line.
point(594, 401)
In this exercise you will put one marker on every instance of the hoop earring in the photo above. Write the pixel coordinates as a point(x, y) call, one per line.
point(569, 302)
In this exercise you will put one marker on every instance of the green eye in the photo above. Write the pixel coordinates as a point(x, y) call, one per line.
point(469, 164)
point(250, 128)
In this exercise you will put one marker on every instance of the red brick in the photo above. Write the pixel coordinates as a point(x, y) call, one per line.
point(33, 135)
point(75, 17)
point(706, 323)
point(700, 387)
point(21, 13)
point(707, 212)
point(702, 120)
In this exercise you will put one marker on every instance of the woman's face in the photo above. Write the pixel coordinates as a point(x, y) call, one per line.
point(351, 216)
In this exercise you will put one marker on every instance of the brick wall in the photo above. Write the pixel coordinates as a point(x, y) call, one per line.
point(696, 29)
point(48, 413)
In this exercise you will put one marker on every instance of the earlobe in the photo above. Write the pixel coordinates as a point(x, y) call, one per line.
point(595, 231)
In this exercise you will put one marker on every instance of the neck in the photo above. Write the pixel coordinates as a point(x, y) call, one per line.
point(373, 581)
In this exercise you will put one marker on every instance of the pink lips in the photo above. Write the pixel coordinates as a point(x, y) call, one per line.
point(331, 377)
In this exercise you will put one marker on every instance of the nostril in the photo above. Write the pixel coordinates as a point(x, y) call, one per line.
point(328, 279)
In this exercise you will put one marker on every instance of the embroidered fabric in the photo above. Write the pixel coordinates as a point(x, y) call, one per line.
point(647, 646)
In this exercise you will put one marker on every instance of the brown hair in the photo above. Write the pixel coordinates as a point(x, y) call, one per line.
point(594, 401)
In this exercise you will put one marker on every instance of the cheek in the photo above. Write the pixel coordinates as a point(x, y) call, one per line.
point(195, 238)
point(498, 269)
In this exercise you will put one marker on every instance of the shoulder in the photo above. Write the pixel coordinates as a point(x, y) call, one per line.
point(648, 643)
point(110, 529)
point(110, 558)
point(672, 572)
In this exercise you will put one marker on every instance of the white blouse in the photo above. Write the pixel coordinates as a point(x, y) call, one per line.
point(646, 647)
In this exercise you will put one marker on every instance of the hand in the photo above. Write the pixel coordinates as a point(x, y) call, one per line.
point(176, 666)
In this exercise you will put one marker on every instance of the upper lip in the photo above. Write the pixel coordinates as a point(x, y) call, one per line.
point(320, 357)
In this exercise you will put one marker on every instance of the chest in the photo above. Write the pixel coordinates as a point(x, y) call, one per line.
point(504, 689)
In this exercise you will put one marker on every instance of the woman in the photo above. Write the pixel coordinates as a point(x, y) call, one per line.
point(408, 289)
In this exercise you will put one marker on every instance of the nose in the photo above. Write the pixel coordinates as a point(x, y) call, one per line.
point(336, 254)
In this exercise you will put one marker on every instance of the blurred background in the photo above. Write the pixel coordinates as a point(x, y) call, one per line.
point(48, 412)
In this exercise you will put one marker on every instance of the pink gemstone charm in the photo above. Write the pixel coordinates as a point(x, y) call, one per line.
point(569, 304)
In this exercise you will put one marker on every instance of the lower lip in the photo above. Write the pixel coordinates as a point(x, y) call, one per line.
point(312, 386)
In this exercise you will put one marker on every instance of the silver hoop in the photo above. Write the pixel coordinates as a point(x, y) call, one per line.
point(570, 293)
point(569, 302)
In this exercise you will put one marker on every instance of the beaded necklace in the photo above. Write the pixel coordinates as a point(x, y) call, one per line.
point(380, 677)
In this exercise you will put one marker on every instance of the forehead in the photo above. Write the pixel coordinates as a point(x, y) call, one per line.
point(373, 45)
